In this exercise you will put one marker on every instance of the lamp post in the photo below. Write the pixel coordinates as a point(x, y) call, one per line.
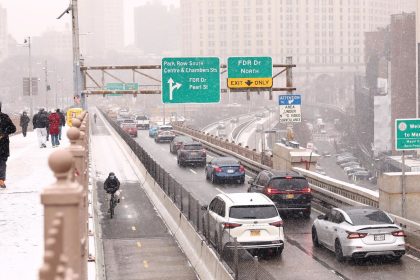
point(28, 44)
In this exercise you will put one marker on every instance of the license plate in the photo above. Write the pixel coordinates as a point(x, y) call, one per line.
point(230, 171)
point(290, 196)
point(379, 237)
point(255, 232)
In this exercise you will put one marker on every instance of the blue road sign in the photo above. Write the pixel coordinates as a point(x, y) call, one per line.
point(290, 99)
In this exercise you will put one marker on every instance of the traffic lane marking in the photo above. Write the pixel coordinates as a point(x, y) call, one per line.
point(133, 228)
point(193, 171)
point(138, 244)
point(146, 264)
point(220, 190)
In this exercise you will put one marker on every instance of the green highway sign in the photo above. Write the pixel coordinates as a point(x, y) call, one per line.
point(407, 134)
point(122, 86)
point(250, 72)
point(190, 80)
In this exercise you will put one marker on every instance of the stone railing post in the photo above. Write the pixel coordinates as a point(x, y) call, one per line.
point(65, 196)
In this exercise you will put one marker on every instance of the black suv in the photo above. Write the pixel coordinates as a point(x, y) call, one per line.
point(289, 191)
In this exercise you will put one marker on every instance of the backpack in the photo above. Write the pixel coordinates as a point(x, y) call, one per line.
point(42, 120)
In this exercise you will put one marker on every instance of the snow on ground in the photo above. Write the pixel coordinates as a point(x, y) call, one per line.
point(21, 212)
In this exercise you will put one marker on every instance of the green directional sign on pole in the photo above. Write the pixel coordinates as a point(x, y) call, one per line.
point(122, 86)
point(190, 80)
point(407, 134)
point(250, 72)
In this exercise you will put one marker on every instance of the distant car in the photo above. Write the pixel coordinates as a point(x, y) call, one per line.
point(164, 136)
point(252, 218)
point(153, 131)
point(361, 175)
point(234, 120)
point(323, 131)
point(178, 141)
point(142, 121)
point(352, 167)
point(353, 171)
point(221, 125)
point(221, 133)
point(290, 191)
point(222, 169)
point(341, 160)
point(349, 164)
point(130, 128)
point(191, 153)
point(358, 232)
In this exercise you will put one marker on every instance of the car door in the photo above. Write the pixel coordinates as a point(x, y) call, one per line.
point(323, 226)
point(212, 217)
point(331, 228)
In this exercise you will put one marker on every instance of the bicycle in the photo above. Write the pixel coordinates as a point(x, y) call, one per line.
point(112, 204)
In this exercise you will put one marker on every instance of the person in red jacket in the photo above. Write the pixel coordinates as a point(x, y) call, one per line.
point(54, 128)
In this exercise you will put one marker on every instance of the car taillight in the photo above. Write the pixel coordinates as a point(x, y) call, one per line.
point(270, 190)
point(355, 235)
point(289, 177)
point(241, 169)
point(306, 190)
point(399, 233)
point(217, 169)
point(277, 224)
point(231, 225)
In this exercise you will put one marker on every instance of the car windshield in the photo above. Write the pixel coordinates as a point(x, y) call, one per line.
point(165, 128)
point(289, 184)
point(141, 118)
point(253, 212)
point(193, 147)
point(368, 217)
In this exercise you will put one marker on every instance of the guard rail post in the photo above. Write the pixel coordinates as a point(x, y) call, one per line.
point(65, 197)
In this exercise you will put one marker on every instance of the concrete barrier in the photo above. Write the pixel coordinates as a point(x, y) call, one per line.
point(199, 253)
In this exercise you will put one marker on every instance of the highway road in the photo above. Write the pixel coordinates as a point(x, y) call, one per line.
point(299, 259)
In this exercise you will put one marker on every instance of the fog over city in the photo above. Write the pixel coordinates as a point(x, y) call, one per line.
point(292, 132)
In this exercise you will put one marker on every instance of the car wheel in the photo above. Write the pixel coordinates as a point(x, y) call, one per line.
point(278, 251)
point(338, 251)
point(213, 179)
point(315, 240)
point(242, 181)
point(307, 213)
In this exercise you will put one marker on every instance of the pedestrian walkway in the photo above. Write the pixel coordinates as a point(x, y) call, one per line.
point(21, 212)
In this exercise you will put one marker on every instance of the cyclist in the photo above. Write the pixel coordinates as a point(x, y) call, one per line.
point(111, 185)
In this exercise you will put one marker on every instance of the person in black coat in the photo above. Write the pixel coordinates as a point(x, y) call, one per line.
point(40, 122)
point(112, 184)
point(24, 122)
point(62, 122)
point(6, 127)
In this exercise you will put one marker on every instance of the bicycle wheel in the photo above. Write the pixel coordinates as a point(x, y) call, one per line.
point(111, 206)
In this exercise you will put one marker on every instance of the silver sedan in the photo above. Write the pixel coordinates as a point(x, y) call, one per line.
point(358, 232)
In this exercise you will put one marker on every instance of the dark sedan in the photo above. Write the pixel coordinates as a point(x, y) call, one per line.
point(222, 169)
point(178, 141)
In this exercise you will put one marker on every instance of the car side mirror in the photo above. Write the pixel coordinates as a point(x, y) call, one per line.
point(251, 181)
point(322, 217)
point(204, 207)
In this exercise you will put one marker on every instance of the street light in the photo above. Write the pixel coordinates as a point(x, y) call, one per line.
point(27, 43)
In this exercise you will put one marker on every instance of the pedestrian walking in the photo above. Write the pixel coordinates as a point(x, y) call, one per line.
point(40, 122)
point(24, 122)
point(54, 127)
point(62, 122)
point(94, 117)
point(48, 129)
point(6, 127)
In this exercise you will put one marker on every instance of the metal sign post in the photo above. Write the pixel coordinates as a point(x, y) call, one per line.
point(403, 214)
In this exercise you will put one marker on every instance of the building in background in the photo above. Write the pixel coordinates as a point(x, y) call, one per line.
point(101, 27)
point(322, 36)
point(403, 67)
point(157, 29)
point(57, 44)
point(4, 36)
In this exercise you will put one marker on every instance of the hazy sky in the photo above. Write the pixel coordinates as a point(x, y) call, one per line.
point(32, 17)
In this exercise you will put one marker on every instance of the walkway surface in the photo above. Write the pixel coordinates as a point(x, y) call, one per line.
point(21, 212)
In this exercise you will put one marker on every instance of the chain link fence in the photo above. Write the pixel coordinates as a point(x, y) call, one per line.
point(241, 263)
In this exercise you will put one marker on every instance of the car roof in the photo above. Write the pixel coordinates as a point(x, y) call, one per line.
point(278, 173)
point(352, 209)
point(243, 199)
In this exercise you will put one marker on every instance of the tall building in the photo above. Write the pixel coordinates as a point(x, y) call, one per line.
point(57, 44)
point(157, 28)
point(3, 34)
point(322, 35)
point(101, 27)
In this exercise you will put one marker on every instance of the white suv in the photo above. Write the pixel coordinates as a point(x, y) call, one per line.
point(250, 217)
